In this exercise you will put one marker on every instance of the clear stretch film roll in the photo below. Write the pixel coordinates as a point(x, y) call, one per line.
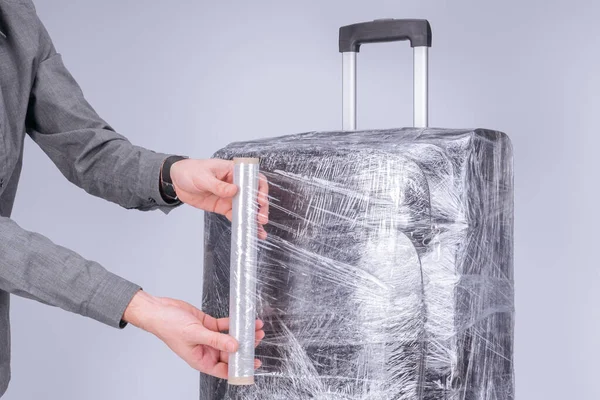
point(242, 295)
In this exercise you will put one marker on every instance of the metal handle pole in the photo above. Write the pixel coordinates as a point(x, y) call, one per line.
point(349, 91)
point(417, 31)
point(421, 87)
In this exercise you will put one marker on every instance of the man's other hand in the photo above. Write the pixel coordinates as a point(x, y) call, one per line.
point(193, 335)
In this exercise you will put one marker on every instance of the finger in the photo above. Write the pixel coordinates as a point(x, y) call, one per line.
point(221, 188)
point(211, 323)
point(263, 187)
point(263, 200)
point(263, 218)
point(223, 169)
point(222, 205)
point(259, 335)
point(262, 233)
point(216, 340)
point(223, 324)
point(207, 364)
point(224, 357)
point(219, 370)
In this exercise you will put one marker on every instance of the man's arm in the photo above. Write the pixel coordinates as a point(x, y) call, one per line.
point(87, 151)
point(105, 164)
point(32, 266)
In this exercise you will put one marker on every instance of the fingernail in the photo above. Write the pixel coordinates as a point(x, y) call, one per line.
point(231, 347)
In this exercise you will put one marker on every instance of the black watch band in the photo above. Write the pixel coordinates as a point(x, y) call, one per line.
point(167, 190)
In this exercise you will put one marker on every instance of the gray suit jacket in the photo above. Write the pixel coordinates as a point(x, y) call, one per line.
point(39, 97)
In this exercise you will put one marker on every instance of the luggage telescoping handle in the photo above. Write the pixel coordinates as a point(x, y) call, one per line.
point(417, 31)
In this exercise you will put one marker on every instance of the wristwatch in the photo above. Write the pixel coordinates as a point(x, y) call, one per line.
point(167, 189)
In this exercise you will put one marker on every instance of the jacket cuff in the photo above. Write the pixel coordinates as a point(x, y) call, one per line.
point(151, 183)
point(110, 300)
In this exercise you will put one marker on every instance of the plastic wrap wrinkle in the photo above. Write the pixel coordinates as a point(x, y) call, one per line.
point(388, 269)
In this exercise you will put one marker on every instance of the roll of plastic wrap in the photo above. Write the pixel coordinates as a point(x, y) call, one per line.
point(242, 295)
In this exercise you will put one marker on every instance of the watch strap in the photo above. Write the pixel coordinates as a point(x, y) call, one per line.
point(167, 188)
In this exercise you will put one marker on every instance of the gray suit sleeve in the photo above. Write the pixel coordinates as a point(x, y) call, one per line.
point(87, 151)
point(94, 157)
point(32, 266)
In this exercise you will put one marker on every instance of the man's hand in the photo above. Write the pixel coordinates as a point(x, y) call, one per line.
point(193, 335)
point(208, 185)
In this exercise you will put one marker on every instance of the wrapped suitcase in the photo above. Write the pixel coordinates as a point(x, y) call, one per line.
point(388, 270)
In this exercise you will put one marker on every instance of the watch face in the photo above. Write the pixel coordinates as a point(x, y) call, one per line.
point(170, 191)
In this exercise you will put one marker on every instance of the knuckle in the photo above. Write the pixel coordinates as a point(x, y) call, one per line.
point(213, 341)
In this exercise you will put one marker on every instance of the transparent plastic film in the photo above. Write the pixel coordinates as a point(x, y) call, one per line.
point(243, 264)
point(387, 272)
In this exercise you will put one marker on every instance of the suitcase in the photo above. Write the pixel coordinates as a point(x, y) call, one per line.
point(388, 271)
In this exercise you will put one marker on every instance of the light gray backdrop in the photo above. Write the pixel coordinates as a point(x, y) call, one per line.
point(190, 76)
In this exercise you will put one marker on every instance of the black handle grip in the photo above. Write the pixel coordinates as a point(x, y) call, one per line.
point(418, 31)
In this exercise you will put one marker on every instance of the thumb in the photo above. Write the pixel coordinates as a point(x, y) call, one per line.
point(222, 188)
point(215, 340)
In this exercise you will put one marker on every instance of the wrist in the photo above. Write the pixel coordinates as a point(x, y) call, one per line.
point(141, 310)
point(167, 187)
